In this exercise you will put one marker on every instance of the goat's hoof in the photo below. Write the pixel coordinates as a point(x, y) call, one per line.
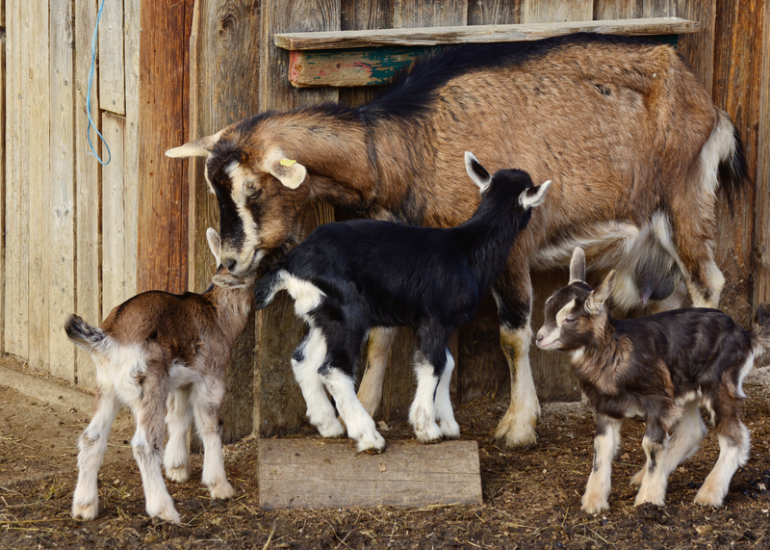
point(636, 481)
point(222, 491)
point(707, 498)
point(85, 511)
point(657, 501)
point(428, 434)
point(373, 445)
point(594, 505)
point(166, 513)
point(179, 474)
point(450, 429)
point(514, 431)
point(331, 429)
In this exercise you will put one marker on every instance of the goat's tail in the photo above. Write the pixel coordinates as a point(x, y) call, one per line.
point(267, 287)
point(760, 334)
point(84, 335)
point(733, 169)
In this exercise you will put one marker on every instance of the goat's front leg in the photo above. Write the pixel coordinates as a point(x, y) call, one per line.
point(206, 400)
point(654, 479)
point(92, 445)
point(378, 352)
point(148, 407)
point(734, 444)
point(513, 294)
point(178, 421)
point(606, 443)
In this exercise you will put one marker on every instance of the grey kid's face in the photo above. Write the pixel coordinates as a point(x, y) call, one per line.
point(567, 323)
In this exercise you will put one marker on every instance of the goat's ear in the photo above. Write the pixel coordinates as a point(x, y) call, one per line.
point(199, 148)
point(534, 196)
point(289, 172)
point(596, 299)
point(226, 280)
point(215, 243)
point(477, 172)
point(577, 267)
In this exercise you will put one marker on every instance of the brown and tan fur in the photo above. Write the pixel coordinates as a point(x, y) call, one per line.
point(623, 129)
point(162, 355)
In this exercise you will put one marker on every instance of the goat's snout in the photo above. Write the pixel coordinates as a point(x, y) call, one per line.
point(229, 264)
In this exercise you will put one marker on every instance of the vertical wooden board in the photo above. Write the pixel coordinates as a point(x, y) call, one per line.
point(698, 48)
point(114, 267)
point(39, 182)
point(88, 193)
point(131, 37)
point(2, 179)
point(737, 85)
point(546, 11)
point(762, 208)
point(162, 236)
point(279, 406)
point(494, 12)
point(112, 96)
point(224, 80)
point(17, 184)
point(618, 9)
point(429, 13)
point(551, 371)
point(62, 192)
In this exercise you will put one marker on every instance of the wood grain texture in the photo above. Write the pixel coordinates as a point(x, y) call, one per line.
point(737, 72)
point(279, 406)
point(618, 9)
point(302, 473)
point(62, 189)
point(112, 82)
point(2, 179)
point(430, 36)
point(429, 13)
point(698, 48)
point(88, 190)
point(762, 205)
point(546, 11)
point(115, 286)
point(224, 77)
point(37, 44)
point(494, 12)
point(345, 68)
point(162, 212)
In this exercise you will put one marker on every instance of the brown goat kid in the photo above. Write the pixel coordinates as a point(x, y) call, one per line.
point(162, 355)
point(626, 132)
point(663, 368)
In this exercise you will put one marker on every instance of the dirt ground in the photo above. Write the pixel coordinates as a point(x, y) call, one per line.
point(531, 497)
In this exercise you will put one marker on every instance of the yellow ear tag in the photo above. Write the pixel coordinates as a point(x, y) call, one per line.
point(288, 162)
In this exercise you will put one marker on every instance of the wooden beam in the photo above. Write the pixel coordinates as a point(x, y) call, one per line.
point(314, 473)
point(112, 82)
point(431, 36)
point(762, 208)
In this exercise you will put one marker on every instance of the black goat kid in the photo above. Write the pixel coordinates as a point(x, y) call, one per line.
point(663, 368)
point(349, 277)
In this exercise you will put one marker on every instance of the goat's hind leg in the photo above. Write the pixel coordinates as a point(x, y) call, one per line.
point(178, 421)
point(93, 444)
point(444, 412)
point(430, 364)
point(378, 351)
point(606, 443)
point(206, 400)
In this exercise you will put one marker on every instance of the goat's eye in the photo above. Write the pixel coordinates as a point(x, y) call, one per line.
point(254, 195)
point(570, 320)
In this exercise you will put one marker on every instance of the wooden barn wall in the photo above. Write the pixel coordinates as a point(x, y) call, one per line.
point(69, 224)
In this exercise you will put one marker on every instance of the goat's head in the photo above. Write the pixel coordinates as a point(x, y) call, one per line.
point(515, 183)
point(222, 277)
point(259, 191)
point(575, 314)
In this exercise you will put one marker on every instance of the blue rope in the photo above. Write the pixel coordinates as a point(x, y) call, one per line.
point(88, 96)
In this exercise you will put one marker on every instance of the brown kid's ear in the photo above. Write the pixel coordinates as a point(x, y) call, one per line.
point(577, 267)
point(598, 297)
point(198, 148)
point(288, 171)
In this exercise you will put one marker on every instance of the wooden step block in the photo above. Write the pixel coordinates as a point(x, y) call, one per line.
point(324, 473)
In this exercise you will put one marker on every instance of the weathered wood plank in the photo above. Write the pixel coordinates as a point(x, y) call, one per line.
point(762, 206)
point(618, 9)
point(698, 48)
point(162, 234)
point(62, 191)
point(539, 11)
point(431, 36)
point(737, 85)
point(131, 38)
point(88, 222)
point(17, 183)
point(39, 120)
point(313, 473)
point(224, 82)
point(494, 12)
point(114, 267)
point(429, 13)
point(3, 135)
point(278, 405)
point(359, 67)
point(112, 82)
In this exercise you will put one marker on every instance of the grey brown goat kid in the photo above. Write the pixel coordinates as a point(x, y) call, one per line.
point(162, 354)
point(633, 143)
point(663, 368)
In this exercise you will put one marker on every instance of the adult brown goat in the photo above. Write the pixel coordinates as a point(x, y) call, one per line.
point(628, 135)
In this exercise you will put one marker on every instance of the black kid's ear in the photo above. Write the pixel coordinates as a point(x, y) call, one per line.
point(577, 267)
point(534, 196)
point(477, 172)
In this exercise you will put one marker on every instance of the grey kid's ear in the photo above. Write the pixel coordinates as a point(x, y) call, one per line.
point(215, 243)
point(577, 267)
point(289, 172)
point(596, 299)
point(226, 280)
point(198, 148)
point(534, 196)
point(477, 172)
